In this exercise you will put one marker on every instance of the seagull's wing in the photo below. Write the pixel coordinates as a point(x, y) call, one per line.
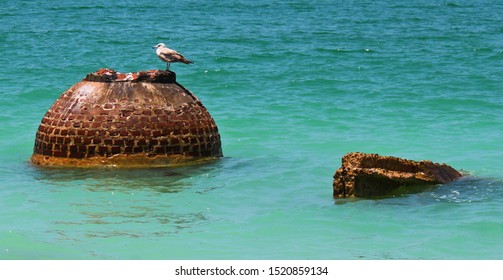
point(172, 55)
point(168, 52)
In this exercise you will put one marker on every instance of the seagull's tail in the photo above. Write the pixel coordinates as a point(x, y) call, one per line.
point(186, 61)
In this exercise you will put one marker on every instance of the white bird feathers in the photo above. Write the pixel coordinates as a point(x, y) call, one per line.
point(168, 55)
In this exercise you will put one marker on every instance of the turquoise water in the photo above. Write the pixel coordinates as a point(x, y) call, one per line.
point(293, 86)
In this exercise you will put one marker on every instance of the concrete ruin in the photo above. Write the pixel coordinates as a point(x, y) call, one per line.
point(372, 175)
point(126, 119)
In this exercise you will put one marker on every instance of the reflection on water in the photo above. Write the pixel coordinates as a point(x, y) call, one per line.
point(162, 180)
point(113, 202)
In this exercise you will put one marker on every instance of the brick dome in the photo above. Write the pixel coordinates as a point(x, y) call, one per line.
point(133, 119)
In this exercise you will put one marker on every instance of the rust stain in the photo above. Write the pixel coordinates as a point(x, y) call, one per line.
point(110, 116)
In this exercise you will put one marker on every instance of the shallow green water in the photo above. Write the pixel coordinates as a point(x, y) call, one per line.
point(293, 86)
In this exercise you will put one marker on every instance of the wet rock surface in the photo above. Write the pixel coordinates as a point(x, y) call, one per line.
point(112, 118)
point(371, 175)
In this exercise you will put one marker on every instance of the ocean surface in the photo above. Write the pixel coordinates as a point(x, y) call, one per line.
point(292, 86)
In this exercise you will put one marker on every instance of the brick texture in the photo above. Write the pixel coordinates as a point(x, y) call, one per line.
point(110, 113)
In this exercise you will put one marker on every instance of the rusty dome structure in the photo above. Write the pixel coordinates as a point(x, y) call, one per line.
point(126, 119)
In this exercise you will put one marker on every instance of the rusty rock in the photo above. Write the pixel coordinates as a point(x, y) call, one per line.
point(131, 119)
point(369, 175)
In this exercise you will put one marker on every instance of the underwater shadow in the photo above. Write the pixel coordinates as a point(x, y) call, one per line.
point(157, 179)
point(468, 189)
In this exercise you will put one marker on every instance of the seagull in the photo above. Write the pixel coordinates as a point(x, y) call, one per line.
point(168, 55)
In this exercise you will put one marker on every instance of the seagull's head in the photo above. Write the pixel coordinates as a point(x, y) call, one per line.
point(160, 45)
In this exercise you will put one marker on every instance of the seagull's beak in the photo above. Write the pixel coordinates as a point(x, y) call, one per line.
point(154, 47)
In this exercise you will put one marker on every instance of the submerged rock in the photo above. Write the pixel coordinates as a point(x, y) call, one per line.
point(368, 175)
point(126, 119)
